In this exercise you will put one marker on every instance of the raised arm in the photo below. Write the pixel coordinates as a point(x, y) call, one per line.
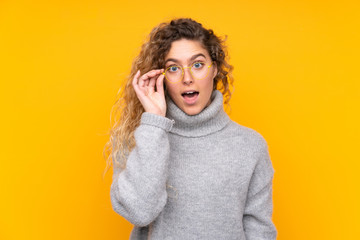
point(138, 193)
point(257, 219)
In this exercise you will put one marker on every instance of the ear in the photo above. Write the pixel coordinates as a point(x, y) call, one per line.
point(215, 69)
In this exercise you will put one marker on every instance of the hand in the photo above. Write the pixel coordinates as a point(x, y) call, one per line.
point(153, 102)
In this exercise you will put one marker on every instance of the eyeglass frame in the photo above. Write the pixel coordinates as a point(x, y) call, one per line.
point(183, 71)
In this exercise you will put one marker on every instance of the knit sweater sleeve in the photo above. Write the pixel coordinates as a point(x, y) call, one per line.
point(138, 192)
point(257, 218)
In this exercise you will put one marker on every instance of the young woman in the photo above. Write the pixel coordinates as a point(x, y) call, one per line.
point(182, 168)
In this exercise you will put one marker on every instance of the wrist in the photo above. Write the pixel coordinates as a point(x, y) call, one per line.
point(162, 114)
point(157, 120)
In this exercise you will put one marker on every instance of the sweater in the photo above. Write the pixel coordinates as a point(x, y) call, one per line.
point(199, 176)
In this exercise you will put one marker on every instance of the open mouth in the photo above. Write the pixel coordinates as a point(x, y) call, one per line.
point(190, 94)
point(190, 97)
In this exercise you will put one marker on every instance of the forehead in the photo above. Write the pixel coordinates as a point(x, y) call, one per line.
point(184, 49)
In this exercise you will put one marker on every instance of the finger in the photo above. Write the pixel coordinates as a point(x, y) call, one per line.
point(151, 74)
point(136, 76)
point(142, 81)
point(152, 82)
point(135, 83)
point(147, 83)
point(159, 84)
point(146, 78)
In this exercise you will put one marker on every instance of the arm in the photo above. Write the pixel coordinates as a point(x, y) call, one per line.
point(257, 218)
point(138, 192)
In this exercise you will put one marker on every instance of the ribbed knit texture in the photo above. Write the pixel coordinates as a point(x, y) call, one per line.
point(209, 120)
point(196, 177)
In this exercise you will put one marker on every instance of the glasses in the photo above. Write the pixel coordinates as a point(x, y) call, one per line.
point(198, 71)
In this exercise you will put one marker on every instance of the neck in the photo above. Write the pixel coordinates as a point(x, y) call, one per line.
point(211, 119)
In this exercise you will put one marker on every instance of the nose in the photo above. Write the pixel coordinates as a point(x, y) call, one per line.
point(188, 78)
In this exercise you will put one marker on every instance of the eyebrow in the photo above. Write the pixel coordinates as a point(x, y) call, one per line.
point(192, 58)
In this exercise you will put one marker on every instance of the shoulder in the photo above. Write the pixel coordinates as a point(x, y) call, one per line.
point(247, 135)
point(256, 146)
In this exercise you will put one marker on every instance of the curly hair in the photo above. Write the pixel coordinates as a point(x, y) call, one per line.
point(127, 110)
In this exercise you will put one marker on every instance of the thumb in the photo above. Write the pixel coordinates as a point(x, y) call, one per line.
point(159, 84)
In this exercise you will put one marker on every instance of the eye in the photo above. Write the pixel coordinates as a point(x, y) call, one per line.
point(173, 68)
point(198, 65)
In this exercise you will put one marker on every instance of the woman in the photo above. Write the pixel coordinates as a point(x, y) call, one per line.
point(182, 168)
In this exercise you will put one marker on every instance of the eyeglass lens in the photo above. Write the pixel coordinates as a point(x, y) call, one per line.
point(198, 70)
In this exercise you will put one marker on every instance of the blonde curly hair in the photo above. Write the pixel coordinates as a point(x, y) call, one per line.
point(127, 110)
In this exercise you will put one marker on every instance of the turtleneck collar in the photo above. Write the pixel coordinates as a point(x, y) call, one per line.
point(211, 119)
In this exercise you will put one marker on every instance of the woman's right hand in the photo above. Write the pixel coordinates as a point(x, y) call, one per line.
point(144, 86)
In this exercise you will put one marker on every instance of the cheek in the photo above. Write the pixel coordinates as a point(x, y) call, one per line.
point(171, 89)
point(208, 83)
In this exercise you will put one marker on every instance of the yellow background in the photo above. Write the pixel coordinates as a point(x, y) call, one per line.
point(62, 63)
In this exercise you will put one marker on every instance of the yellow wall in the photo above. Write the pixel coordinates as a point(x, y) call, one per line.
point(62, 63)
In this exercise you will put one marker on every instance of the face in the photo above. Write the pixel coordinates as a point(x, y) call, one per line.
point(187, 53)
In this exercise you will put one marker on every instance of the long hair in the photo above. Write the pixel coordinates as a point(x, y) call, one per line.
point(126, 112)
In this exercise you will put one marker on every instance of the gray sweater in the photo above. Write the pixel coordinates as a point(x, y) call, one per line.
point(196, 177)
